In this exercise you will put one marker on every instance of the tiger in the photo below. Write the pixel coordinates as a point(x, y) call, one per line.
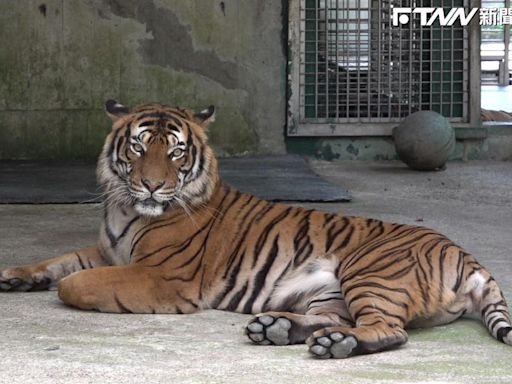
point(176, 239)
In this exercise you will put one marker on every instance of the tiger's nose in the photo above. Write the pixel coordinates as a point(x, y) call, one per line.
point(151, 185)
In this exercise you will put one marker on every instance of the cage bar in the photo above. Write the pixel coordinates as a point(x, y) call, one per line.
point(358, 73)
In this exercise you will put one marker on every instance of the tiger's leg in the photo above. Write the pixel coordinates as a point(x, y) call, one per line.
point(283, 328)
point(128, 289)
point(375, 330)
point(45, 274)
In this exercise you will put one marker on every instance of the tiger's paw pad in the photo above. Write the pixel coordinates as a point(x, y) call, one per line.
point(267, 329)
point(7, 284)
point(332, 345)
point(14, 279)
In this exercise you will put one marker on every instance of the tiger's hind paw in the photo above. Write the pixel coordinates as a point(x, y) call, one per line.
point(325, 345)
point(266, 329)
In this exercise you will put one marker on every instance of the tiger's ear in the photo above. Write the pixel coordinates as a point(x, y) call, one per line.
point(205, 117)
point(115, 110)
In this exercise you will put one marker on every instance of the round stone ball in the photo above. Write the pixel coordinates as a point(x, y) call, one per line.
point(424, 140)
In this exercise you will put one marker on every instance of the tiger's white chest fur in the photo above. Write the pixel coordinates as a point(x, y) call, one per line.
point(116, 234)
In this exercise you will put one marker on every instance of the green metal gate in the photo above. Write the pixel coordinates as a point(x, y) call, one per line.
point(352, 72)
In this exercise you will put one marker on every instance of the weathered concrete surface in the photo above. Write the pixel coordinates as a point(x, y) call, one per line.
point(62, 59)
point(45, 342)
point(491, 142)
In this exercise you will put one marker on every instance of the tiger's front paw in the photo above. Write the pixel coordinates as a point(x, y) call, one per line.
point(24, 279)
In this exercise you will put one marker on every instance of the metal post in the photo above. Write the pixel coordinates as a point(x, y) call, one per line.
point(506, 63)
point(474, 68)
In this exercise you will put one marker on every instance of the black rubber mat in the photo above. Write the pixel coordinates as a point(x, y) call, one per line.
point(277, 178)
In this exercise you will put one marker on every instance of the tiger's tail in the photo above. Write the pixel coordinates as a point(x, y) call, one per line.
point(488, 300)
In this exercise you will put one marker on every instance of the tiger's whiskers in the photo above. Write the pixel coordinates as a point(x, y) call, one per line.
point(186, 208)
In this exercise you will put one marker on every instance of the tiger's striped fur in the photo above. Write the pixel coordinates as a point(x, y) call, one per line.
point(176, 239)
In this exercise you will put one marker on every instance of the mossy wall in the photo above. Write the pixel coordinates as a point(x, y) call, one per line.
point(491, 142)
point(61, 59)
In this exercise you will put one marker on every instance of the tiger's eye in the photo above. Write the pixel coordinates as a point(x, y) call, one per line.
point(137, 148)
point(177, 152)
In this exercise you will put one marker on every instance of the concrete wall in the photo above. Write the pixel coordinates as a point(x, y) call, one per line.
point(489, 142)
point(60, 59)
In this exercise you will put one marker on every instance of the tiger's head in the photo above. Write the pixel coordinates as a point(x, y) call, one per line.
point(157, 157)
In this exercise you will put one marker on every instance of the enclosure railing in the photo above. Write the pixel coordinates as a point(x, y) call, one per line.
point(352, 72)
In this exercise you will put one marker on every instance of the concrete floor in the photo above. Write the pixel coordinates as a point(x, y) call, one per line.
point(46, 342)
